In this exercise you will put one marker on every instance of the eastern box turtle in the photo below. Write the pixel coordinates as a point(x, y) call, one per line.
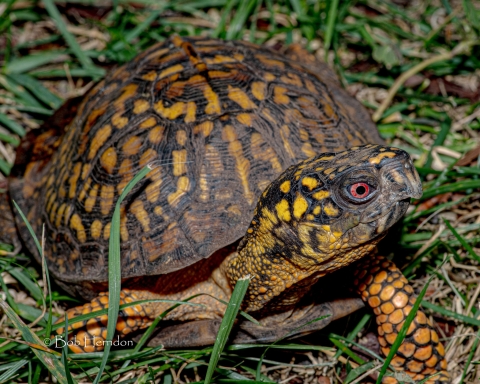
point(262, 166)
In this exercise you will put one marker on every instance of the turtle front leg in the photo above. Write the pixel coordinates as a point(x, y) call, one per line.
point(90, 335)
point(384, 288)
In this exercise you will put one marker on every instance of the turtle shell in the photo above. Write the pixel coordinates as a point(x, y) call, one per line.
point(217, 121)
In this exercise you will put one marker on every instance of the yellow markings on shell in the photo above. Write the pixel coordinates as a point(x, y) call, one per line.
point(60, 212)
point(53, 211)
point(141, 214)
point(107, 193)
point(132, 146)
point(179, 159)
point(119, 121)
point(242, 164)
point(285, 134)
point(68, 212)
point(205, 128)
point(213, 105)
point(303, 134)
point(330, 210)
point(241, 98)
point(148, 123)
point(172, 112)
point(292, 79)
point(100, 138)
point(263, 151)
point(270, 62)
point(220, 59)
point(108, 160)
point(156, 134)
point(320, 195)
point(183, 186)
point(310, 183)
point(245, 119)
point(123, 225)
point(96, 229)
point(307, 149)
point(85, 170)
point(377, 159)
point(150, 76)
point(77, 225)
point(91, 199)
point(285, 186)
point(181, 137)
point(73, 180)
point(106, 231)
point(283, 210)
point(148, 156)
point(300, 206)
point(158, 210)
point(153, 190)
point(317, 210)
point(140, 106)
point(279, 95)
point(259, 90)
point(170, 71)
point(190, 112)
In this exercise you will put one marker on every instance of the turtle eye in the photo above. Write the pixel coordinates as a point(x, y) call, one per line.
point(360, 191)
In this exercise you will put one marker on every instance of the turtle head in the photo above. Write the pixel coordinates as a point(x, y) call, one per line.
point(329, 211)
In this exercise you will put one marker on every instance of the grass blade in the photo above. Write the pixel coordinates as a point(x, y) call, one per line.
point(462, 241)
point(55, 366)
point(114, 270)
point(226, 325)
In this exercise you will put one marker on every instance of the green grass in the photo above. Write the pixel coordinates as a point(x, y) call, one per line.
point(371, 44)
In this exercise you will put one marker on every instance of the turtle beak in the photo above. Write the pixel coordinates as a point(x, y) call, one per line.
point(402, 181)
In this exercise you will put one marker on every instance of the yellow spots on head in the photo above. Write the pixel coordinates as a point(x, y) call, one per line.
point(141, 214)
point(148, 123)
point(155, 135)
point(205, 128)
point(99, 139)
point(300, 206)
point(132, 146)
point(259, 90)
point(77, 225)
point(150, 76)
point(92, 196)
point(320, 195)
point(148, 156)
point(285, 186)
point(108, 160)
point(377, 159)
point(283, 210)
point(170, 71)
point(241, 98)
point(330, 210)
point(183, 186)
point(96, 229)
point(310, 183)
point(270, 62)
point(140, 106)
point(245, 119)
point(317, 210)
point(329, 171)
point(279, 95)
point(107, 193)
point(179, 159)
point(269, 216)
point(73, 180)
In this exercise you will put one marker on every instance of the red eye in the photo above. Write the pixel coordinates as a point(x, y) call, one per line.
point(359, 190)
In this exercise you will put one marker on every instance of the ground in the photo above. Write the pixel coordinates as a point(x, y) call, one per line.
point(413, 64)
